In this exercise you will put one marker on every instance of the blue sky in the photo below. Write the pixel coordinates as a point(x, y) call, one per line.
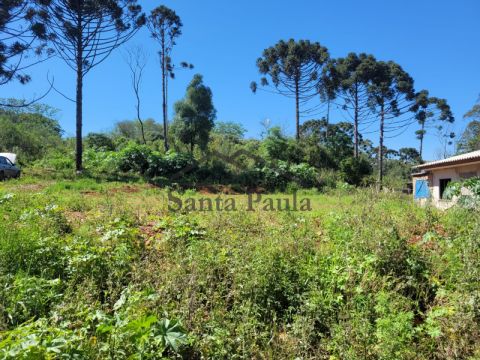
point(435, 41)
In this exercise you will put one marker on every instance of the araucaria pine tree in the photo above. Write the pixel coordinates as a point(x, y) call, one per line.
point(165, 26)
point(84, 33)
point(294, 68)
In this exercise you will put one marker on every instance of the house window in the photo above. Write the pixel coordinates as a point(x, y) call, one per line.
point(443, 185)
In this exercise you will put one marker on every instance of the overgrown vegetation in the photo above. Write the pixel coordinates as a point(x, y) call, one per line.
point(102, 270)
point(321, 159)
point(465, 193)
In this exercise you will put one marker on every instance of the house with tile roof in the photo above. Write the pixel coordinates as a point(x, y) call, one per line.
point(432, 178)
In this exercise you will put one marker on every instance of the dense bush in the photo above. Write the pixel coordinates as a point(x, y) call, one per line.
point(100, 142)
point(279, 175)
point(277, 162)
point(171, 164)
point(134, 157)
point(305, 175)
point(60, 159)
point(278, 147)
point(151, 164)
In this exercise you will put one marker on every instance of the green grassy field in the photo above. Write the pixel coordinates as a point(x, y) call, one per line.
point(103, 270)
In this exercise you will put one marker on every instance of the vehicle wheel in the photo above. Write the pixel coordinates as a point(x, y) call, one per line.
point(2, 175)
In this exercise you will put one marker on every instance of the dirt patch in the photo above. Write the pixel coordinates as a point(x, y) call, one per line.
point(125, 189)
point(228, 190)
point(415, 239)
point(31, 187)
point(214, 189)
point(75, 216)
point(150, 232)
point(429, 243)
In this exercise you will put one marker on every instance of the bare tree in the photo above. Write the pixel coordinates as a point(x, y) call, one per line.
point(84, 34)
point(446, 139)
point(136, 59)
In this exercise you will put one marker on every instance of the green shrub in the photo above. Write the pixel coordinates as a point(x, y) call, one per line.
point(100, 142)
point(467, 193)
point(25, 298)
point(40, 340)
point(135, 158)
point(34, 243)
point(305, 175)
point(102, 162)
point(214, 172)
point(104, 263)
point(277, 176)
point(58, 160)
point(170, 164)
point(355, 170)
point(394, 328)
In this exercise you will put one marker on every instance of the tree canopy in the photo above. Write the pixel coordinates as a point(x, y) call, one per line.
point(229, 130)
point(22, 31)
point(428, 112)
point(348, 79)
point(470, 139)
point(294, 69)
point(390, 93)
point(474, 112)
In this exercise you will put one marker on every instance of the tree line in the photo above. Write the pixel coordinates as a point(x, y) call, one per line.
point(368, 90)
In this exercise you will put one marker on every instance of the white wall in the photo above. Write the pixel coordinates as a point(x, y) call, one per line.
point(442, 174)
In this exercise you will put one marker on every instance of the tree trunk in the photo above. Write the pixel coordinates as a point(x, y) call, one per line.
point(355, 124)
point(328, 120)
point(193, 131)
point(79, 99)
point(297, 110)
point(422, 135)
point(142, 129)
point(164, 95)
point(380, 148)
